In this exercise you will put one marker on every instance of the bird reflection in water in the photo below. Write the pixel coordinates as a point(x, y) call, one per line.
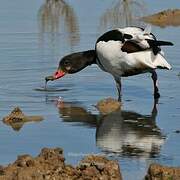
point(123, 13)
point(125, 133)
point(56, 16)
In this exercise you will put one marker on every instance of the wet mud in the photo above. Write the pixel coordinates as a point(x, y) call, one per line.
point(170, 17)
point(108, 105)
point(17, 118)
point(50, 164)
point(159, 172)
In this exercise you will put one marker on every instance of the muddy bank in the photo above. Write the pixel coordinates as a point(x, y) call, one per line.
point(159, 172)
point(170, 17)
point(108, 105)
point(50, 164)
point(17, 118)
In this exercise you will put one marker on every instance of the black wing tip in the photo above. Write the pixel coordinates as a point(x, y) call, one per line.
point(159, 43)
point(168, 43)
point(171, 44)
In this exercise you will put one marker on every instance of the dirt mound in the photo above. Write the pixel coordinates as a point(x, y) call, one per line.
point(158, 172)
point(17, 118)
point(170, 17)
point(108, 105)
point(49, 164)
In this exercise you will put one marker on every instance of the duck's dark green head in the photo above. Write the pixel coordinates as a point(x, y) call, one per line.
point(73, 63)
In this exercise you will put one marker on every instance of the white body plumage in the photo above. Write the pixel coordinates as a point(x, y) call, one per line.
point(112, 59)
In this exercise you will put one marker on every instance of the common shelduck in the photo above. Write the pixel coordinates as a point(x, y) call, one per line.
point(121, 52)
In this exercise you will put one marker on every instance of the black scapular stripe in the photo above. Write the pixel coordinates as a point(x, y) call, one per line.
point(111, 35)
point(114, 35)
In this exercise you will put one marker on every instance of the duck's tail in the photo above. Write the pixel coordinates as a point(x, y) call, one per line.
point(160, 62)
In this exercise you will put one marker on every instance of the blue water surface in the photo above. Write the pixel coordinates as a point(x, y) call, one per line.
point(34, 35)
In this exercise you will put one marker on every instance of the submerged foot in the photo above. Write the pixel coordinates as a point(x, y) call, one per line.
point(156, 95)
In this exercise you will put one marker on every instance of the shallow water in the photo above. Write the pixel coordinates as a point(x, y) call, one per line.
point(31, 44)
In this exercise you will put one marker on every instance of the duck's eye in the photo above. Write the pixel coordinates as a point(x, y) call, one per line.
point(66, 63)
